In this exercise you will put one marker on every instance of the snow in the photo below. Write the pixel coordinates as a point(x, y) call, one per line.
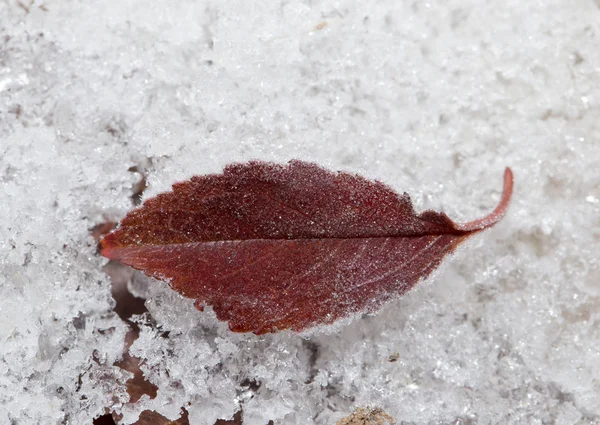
point(433, 99)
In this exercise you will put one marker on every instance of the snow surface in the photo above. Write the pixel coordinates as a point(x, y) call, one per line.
point(433, 98)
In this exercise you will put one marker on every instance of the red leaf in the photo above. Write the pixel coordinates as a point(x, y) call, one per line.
point(273, 247)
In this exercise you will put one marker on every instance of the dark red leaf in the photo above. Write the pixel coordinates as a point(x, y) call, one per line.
point(274, 247)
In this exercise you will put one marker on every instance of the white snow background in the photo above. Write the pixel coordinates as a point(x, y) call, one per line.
point(432, 98)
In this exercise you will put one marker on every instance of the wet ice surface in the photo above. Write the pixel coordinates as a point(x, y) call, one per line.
point(432, 99)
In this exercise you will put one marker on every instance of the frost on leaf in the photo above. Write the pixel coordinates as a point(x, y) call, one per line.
point(274, 247)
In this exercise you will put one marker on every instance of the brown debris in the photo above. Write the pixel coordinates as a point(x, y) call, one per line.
point(367, 416)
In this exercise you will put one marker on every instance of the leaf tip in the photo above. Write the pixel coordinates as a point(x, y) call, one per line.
point(106, 245)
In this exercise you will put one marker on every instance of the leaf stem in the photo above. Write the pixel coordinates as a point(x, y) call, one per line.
point(498, 213)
